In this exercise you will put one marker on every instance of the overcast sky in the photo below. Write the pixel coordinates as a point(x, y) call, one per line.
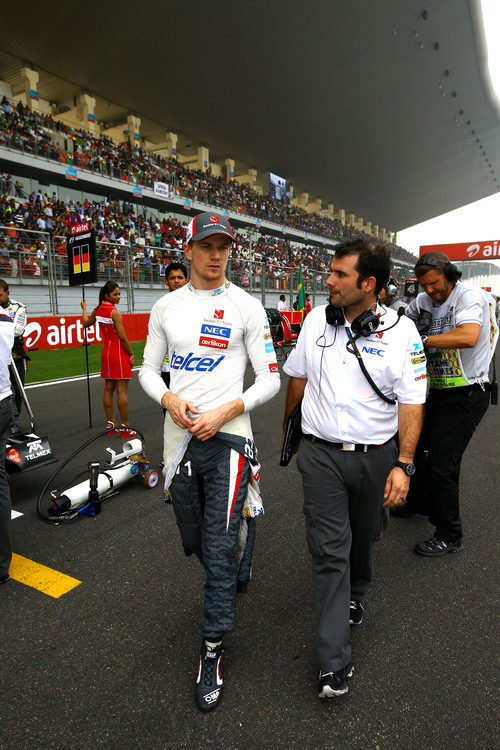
point(477, 221)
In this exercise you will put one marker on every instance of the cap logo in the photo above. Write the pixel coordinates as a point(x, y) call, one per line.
point(214, 219)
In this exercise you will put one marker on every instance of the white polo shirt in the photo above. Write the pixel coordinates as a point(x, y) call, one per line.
point(339, 403)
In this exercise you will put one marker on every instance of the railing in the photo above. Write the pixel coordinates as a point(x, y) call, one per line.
point(35, 265)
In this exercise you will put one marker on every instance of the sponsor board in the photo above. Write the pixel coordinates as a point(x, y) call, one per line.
point(55, 332)
point(466, 250)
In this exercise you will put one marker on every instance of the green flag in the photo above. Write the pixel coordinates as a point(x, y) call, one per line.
point(301, 297)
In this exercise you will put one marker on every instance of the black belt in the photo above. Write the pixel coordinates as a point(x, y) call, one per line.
point(358, 447)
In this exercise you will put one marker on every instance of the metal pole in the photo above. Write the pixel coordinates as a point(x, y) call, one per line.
point(87, 364)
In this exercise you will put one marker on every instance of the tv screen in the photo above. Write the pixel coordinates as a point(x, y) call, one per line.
point(279, 188)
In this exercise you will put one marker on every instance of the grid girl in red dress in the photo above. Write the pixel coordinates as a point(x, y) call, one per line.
point(116, 358)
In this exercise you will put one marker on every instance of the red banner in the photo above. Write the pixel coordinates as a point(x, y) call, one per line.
point(60, 331)
point(488, 250)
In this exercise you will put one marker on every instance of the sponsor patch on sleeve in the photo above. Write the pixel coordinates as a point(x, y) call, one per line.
point(273, 367)
point(269, 347)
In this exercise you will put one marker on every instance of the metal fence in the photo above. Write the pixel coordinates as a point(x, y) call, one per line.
point(36, 268)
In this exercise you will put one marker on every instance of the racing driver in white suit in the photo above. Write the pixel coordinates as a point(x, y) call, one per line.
point(211, 329)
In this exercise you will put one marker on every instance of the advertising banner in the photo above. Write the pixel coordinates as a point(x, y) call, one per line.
point(71, 173)
point(82, 261)
point(163, 190)
point(487, 250)
point(56, 332)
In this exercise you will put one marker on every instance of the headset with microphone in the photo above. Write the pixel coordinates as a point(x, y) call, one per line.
point(450, 270)
point(362, 326)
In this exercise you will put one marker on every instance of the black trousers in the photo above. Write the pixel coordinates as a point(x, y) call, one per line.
point(451, 416)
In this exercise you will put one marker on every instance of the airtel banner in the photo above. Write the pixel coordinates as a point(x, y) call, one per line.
point(467, 250)
point(55, 332)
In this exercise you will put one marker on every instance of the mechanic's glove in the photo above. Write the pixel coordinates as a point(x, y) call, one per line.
point(423, 322)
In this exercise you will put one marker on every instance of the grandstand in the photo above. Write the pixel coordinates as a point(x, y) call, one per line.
point(137, 240)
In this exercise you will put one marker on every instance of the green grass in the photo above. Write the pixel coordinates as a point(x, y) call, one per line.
point(52, 364)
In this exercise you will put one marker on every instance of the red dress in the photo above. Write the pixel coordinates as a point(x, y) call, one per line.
point(115, 363)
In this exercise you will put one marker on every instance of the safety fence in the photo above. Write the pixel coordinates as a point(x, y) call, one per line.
point(38, 262)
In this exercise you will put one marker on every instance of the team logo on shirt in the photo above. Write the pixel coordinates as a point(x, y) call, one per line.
point(379, 335)
point(219, 314)
point(273, 367)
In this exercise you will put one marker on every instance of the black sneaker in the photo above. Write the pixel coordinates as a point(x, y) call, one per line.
point(331, 684)
point(437, 547)
point(356, 610)
point(209, 679)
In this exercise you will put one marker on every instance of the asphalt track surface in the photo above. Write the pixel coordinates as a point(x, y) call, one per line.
point(112, 662)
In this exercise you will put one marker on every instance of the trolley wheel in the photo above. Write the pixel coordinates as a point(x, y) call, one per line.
point(151, 478)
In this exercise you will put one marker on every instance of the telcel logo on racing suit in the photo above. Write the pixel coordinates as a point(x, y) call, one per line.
point(191, 363)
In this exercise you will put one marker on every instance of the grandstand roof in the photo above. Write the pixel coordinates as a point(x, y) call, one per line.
point(380, 108)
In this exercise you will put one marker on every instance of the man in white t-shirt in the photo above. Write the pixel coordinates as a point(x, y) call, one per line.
point(282, 303)
point(175, 278)
point(459, 331)
point(360, 371)
point(211, 329)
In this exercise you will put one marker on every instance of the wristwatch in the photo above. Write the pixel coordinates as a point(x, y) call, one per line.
point(424, 338)
point(409, 469)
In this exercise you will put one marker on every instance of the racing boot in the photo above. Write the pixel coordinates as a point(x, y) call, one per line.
point(209, 680)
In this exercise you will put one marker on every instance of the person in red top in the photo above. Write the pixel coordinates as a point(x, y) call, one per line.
point(307, 306)
point(116, 358)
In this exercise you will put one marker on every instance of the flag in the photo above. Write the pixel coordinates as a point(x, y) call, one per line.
point(301, 297)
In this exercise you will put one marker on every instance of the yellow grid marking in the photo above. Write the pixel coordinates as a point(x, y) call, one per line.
point(40, 577)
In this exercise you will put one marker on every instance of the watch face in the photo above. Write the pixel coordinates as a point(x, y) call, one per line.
point(410, 469)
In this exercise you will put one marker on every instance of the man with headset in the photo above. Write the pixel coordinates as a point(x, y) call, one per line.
point(459, 331)
point(389, 296)
point(359, 369)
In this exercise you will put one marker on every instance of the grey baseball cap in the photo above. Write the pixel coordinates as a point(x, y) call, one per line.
point(203, 225)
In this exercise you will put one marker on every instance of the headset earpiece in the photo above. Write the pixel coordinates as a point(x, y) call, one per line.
point(365, 324)
point(334, 315)
point(452, 272)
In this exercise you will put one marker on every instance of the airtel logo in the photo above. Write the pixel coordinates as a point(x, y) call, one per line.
point(473, 250)
point(32, 333)
point(487, 251)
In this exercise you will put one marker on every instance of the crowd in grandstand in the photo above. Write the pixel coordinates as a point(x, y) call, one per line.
point(34, 132)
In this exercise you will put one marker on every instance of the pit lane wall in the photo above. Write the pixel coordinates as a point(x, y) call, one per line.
point(64, 331)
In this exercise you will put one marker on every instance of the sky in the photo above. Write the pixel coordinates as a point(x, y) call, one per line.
point(477, 221)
